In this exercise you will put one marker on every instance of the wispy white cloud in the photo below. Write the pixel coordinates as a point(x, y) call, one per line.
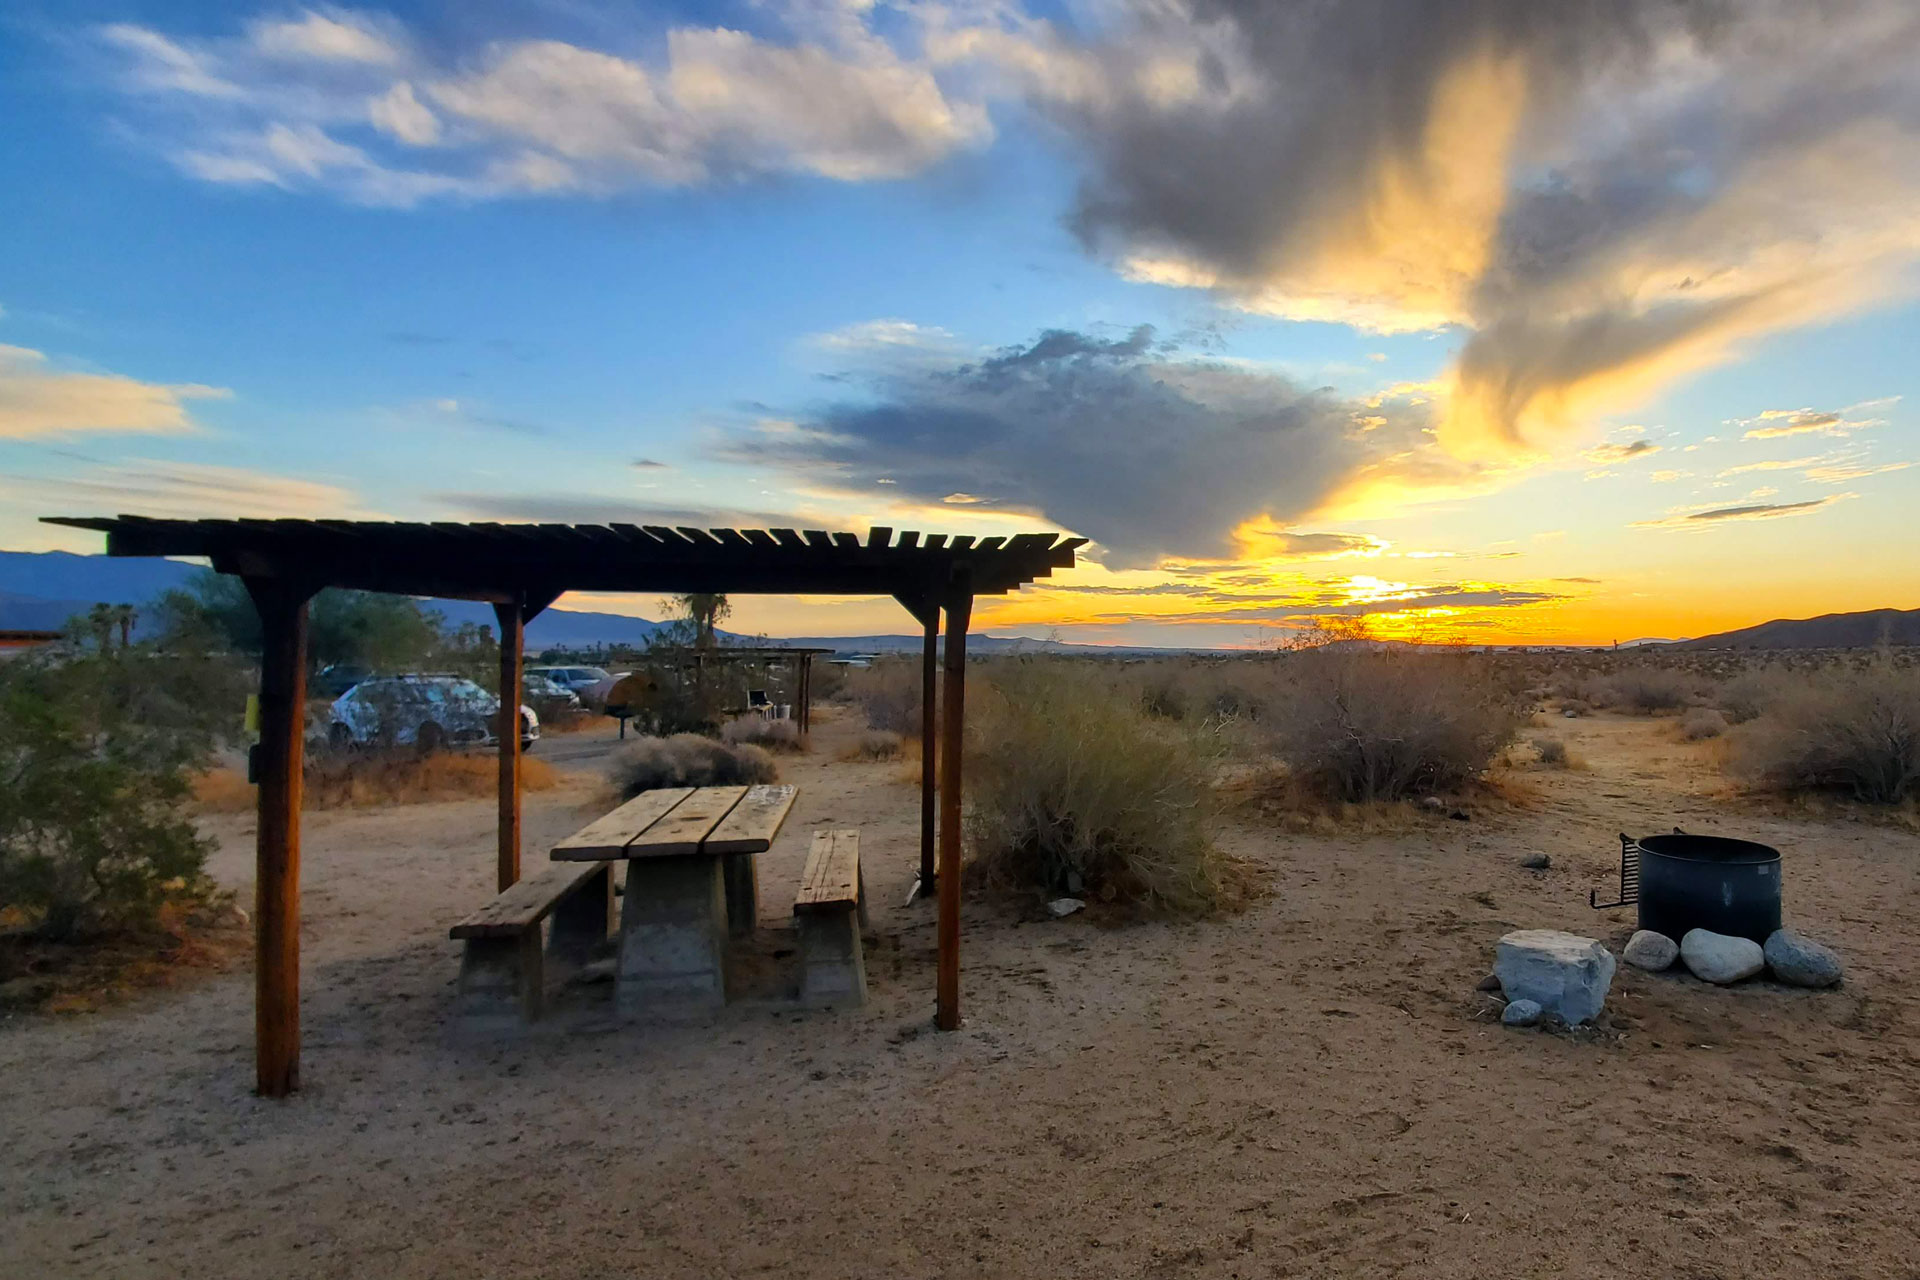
point(1777, 424)
point(38, 399)
point(1711, 516)
point(347, 102)
point(151, 487)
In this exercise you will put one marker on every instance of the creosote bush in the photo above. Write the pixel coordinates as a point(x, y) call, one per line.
point(1552, 752)
point(1359, 725)
point(773, 735)
point(875, 744)
point(1649, 689)
point(1701, 723)
point(1074, 788)
point(96, 753)
point(688, 760)
point(1855, 732)
point(888, 692)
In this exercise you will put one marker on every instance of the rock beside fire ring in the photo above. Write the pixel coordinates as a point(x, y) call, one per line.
point(1651, 951)
point(1720, 959)
point(1565, 974)
point(1801, 962)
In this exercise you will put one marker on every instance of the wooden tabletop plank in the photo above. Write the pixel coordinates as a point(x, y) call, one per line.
point(686, 827)
point(609, 836)
point(525, 902)
point(754, 822)
point(832, 878)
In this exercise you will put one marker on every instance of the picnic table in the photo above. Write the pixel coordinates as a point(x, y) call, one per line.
point(691, 883)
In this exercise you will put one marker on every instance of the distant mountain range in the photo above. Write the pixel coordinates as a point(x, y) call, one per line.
point(1829, 631)
point(40, 590)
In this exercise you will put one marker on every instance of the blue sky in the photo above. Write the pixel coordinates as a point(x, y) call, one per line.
point(1646, 327)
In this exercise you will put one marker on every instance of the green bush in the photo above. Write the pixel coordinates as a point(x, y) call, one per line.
point(96, 754)
point(1073, 787)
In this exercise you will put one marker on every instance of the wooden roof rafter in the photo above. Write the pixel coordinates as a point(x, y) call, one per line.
point(501, 562)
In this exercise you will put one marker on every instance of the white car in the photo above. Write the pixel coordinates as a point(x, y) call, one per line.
point(423, 712)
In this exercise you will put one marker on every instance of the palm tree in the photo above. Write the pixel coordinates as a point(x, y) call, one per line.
point(705, 610)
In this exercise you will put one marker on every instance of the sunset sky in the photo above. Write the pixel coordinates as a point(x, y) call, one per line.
point(1493, 319)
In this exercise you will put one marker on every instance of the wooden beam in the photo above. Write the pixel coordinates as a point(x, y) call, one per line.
point(276, 906)
point(953, 727)
point(513, 643)
point(929, 741)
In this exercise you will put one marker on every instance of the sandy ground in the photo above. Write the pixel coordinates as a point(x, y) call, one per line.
point(1309, 1089)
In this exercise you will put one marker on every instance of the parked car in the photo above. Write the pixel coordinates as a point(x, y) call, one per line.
point(334, 680)
point(548, 699)
point(580, 681)
point(423, 712)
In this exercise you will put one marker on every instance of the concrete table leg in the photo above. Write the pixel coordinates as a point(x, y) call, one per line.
point(673, 936)
point(743, 894)
point(833, 962)
point(582, 920)
point(500, 980)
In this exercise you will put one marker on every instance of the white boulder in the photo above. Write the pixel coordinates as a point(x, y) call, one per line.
point(1800, 961)
point(1650, 951)
point(1565, 974)
point(1719, 958)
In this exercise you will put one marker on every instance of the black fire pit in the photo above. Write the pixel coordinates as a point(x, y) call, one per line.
point(1682, 882)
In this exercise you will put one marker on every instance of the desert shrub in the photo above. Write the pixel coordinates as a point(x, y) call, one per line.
point(96, 755)
point(1750, 693)
point(1360, 725)
point(1856, 732)
point(774, 735)
point(875, 744)
point(688, 760)
point(1073, 789)
point(375, 778)
point(1649, 689)
point(1552, 752)
point(889, 693)
point(1701, 723)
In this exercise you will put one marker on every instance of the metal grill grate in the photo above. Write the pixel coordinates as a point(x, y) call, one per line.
point(1629, 877)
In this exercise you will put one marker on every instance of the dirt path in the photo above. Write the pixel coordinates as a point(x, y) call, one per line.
point(1309, 1089)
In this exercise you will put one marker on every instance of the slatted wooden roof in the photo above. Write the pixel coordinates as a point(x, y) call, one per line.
point(485, 561)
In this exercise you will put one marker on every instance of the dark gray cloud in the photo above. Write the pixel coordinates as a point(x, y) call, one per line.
point(1145, 452)
point(1757, 510)
point(1605, 194)
point(1746, 511)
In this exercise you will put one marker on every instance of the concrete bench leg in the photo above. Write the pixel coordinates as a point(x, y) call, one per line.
point(833, 964)
point(582, 920)
point(743, 894)
point(673, 936)
point(501, 981)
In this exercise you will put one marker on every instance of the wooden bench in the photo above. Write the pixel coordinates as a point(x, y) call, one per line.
point(830, 911)
point(502, 977)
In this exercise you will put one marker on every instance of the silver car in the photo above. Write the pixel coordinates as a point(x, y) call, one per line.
point(427, 713)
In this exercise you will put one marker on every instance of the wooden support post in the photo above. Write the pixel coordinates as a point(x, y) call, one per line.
point(276, 905)
point(929, 739)
point(953, 726)
point(513, 634)
point(806, 694)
